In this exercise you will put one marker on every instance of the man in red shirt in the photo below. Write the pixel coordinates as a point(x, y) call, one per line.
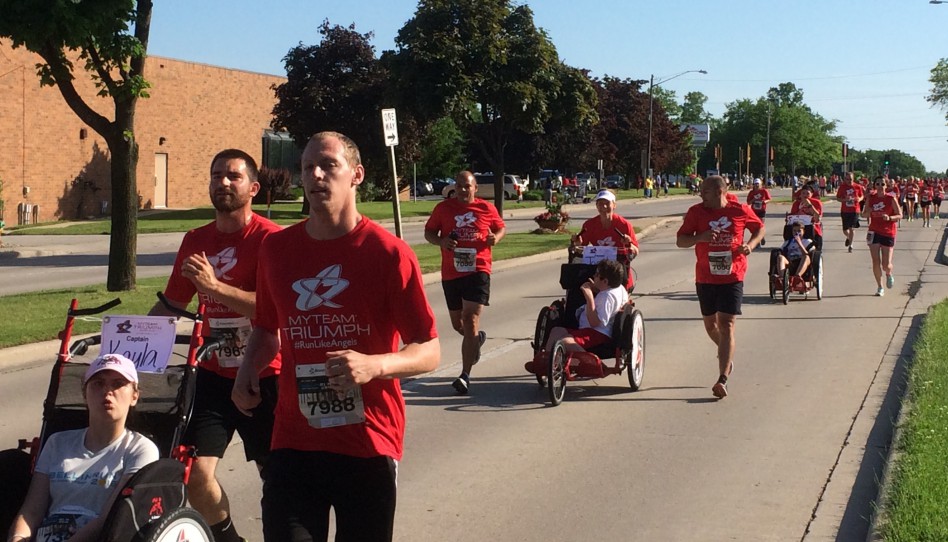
point(218, 263)
point(715, 228)
point(757, 199)
point(336, 295)
point(850, 196)
point(466, 227)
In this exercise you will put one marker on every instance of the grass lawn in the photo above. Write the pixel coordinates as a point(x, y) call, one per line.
point(40, 315)
point(918, 494)
point(281, 213)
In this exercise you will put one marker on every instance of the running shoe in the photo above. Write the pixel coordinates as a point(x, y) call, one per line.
point(719, 389)
point(461, 384)
point(880, 292)
point(848, 243)
point(850, 249)
point(889, 281)
point(763, 241)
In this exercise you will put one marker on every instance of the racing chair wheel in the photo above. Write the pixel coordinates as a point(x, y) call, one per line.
point(179, 524)
point(786, 285)
point(556, 373)
point(816, 270)
point(546, 320)
point(632, 345)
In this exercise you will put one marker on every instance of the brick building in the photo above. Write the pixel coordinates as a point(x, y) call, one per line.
point(51, 159)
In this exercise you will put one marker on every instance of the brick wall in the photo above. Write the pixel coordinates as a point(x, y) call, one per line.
point(194, 111)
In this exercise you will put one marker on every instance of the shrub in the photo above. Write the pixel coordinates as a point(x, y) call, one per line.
point(276, 180)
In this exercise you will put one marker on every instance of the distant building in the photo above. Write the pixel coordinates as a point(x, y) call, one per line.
point(51, 159)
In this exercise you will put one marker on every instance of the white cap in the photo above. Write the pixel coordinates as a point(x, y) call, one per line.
point(756, 181)
point(606, 195)
point(112, 362)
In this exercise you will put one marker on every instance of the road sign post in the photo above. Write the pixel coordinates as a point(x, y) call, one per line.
point(390, 130)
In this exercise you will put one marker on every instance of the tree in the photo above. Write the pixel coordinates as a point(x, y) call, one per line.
point(939, 81)
point(337, 85)
point(669, 102)
point(486, 65)
point(114, 57)
point(442, 151)
point(692, 110)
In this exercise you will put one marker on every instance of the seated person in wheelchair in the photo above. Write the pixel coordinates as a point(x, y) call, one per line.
point(608, 229)
point(605, 296)
point(795, 252)
point(79, 473)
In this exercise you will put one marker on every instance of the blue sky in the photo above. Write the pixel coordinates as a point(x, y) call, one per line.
point(864, 63)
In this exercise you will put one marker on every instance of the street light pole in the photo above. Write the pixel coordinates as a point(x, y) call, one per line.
point(651, 100)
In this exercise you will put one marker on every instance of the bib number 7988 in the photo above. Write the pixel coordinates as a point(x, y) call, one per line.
point(333, 405)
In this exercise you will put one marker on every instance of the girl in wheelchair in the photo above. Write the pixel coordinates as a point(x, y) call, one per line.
point(795, 252)
point(79, 472)
point(605, 295)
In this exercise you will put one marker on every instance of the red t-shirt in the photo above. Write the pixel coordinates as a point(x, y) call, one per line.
point(594, 233)
point(472, 222)
point(758, 198)
point(362, 292)
point(234, 257)
point(720, 262)
point(911, 189)
point(817, 204)
point(882, 205)
point(925, 194)
point(850, 194)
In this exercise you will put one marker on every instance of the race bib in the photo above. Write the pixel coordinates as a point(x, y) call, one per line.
point(465, 260)
point(925, 197)
point(319, 403)
point(234, 332)
point(595, 254)
point(720, 262)
point(850, 202)
point(757, 205)
point(60, 527)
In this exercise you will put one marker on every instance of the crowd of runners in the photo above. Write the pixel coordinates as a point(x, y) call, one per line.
point(324, 317)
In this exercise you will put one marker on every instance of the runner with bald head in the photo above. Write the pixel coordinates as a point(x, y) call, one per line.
point(465, 227)
point(715, 228)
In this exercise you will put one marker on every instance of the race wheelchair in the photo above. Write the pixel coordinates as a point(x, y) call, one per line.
point(555, 368)
point(152, 505)
point(785, 282)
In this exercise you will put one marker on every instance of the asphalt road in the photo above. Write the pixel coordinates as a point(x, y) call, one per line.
point(41, 262)
point(793, 454)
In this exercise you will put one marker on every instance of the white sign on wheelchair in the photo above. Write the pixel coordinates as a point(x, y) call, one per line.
point(146, 340)
point(594, 254)
point(806, 220)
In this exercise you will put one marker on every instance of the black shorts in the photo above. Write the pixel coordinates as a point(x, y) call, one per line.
point(873, 238)
point(925, 203)
point(715, 298)
point(474, 287)
point(299, 487)
point(761, 213)
point(215, 418)
point(793, 265)
point(936, 201)
point(850, 220)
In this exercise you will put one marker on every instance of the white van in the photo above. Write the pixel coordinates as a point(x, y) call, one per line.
point(485, 187)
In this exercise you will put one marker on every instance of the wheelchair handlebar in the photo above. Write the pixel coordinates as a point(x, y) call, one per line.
point(175, 310)
point(95, 310)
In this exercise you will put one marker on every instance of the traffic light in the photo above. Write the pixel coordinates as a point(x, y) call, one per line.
point(885, 160)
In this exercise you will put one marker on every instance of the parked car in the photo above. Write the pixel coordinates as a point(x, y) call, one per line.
point(485, 187)
point(588, 178)
point(421, 188)
point(437, 187)
point(615, 181)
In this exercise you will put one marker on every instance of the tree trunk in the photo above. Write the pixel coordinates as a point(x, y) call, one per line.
point(123, 246)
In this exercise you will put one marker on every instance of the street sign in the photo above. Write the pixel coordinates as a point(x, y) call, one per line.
point(389, 127)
